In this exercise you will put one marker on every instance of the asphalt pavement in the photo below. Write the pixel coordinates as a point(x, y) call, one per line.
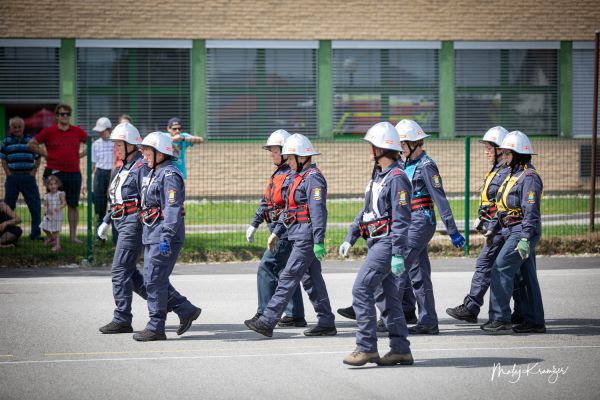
point(50, 347)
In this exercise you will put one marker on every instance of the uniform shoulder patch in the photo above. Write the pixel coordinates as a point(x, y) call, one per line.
point(396, 172)
point(402, 198)
point(317, 193)
point(437, 182)
point(172, 196)
point(531, 197)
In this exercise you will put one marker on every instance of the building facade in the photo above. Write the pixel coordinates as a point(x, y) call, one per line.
point(241, 69)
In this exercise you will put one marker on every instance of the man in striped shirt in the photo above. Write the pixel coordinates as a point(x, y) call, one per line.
point(20, 167)
point(102, 162)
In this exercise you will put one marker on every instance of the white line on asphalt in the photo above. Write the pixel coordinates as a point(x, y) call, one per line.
point(61, 361)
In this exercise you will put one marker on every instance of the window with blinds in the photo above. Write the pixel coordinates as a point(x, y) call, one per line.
point(374, 85)
point(513, 87)
point(583, 88)
point(150, 84)
point(251, 92)
point(29, 75)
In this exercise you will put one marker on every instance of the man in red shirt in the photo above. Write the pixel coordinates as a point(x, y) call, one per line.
point(64, 145)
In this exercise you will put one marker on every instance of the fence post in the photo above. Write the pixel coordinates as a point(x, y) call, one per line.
point(594, 135)
point(90, 222)
point(467, 191)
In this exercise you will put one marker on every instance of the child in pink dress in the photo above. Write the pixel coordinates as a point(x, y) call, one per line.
point(54, 202)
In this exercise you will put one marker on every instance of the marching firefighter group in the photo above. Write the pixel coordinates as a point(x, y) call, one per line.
point(397, 221)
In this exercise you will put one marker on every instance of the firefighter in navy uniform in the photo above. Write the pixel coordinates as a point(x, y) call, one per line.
point(519, 218)
point(272, 263)
point(305, 218)
point(383, 223)
point(469, 309)
point(124, 196)
point(163, 194)
point(428, 191)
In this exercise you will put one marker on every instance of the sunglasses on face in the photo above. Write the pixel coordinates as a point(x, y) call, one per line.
point(63, 114)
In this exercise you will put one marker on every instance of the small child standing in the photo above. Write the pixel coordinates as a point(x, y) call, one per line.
point(54, 202)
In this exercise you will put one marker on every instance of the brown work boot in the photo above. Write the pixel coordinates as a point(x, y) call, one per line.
point(358, 358)
point(393, 358)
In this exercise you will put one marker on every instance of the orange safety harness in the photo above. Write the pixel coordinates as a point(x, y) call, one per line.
point(294, 212)
point(275, 202)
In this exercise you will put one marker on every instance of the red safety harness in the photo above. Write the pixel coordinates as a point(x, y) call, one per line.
point(294, 212)
point(275, 203)
point(373, 229)
point(149, 216)
point(120, 210)
point(421, 203)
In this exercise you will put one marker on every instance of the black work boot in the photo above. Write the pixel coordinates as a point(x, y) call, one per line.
point(114, 327)
point(259, 327)
point(381, 326)
point(462, 313)
point(528, 327)
point(149, 336)
point(256, 316)
point(421, 329)
point(411, 317)
point(496, 326)
point(347, 312)
point(186, 323)
point(321, 331)
point(516, 319)
point(286, 322)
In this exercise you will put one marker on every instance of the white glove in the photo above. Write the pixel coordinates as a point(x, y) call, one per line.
point(102, 229)
point(344, 248)
point(250, 234)
point(272, 242)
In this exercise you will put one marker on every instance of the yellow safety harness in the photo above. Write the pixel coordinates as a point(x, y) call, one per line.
point(504, 190)
point(484, 200)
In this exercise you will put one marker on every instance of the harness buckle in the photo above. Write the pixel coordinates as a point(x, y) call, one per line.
point(149, 216)
point(289, 219)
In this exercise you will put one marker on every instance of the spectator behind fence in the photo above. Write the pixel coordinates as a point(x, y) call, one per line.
point(65, 145)
point(102, 162)
point(54, 202)
point(20, 166)
point(181, 141)
point(9, 231)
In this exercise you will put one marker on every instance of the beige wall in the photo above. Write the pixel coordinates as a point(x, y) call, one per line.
point(240, 170)
point(309, 19)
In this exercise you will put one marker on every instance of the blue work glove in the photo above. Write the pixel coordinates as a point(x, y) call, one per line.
point(319, 250)
point(165, 248)
point(397, 265)
point(523, 248)
point(457, 240)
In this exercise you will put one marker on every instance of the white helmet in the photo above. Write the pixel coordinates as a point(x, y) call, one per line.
point(127, 133)
point(410, 131)
point(277, 138)
point(299, 145)
point(160, 141)
point(384, 136)
point(495, 135)
point(518, 142)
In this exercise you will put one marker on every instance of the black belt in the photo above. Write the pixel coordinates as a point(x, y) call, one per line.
point(20, 172)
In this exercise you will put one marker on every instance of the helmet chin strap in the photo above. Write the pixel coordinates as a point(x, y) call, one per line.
point(154, 163)
point(283, 160)
point(410, 153)
point(299, 165)
point(128, 153)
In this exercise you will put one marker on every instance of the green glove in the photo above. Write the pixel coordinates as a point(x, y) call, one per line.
point(523, 248)
point(397, 265)
point(319, 250)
